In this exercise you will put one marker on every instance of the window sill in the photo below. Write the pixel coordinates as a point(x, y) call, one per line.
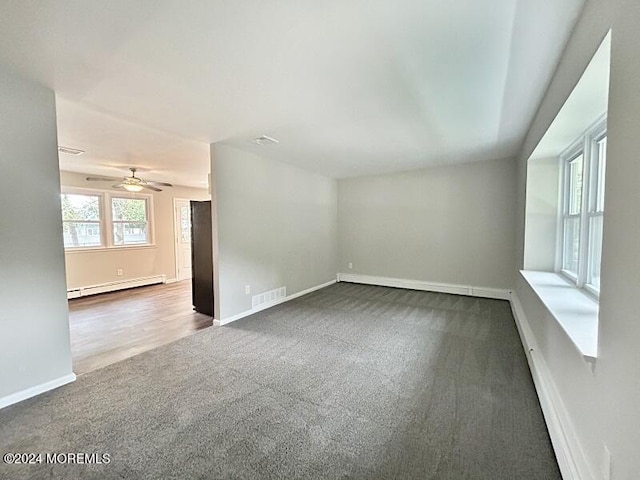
point(109, 249)
point(575, 310)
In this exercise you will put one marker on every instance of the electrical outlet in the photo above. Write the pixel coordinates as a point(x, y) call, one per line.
point(247, 289)
point(350, 265)
point(119, 272)
point(606, 463)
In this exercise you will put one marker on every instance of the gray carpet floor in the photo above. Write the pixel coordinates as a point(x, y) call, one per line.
point(351, 381)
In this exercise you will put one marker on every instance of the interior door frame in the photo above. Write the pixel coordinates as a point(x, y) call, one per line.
point(176, 236)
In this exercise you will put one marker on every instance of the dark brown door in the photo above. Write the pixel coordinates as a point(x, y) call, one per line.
point(202, 257)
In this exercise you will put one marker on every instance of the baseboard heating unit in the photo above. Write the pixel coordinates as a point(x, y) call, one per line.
point(113, 286)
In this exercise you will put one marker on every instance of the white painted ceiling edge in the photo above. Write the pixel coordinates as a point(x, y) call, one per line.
point(349, 88)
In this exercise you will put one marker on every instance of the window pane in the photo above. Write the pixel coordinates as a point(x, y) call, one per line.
point(130, 233)
point(185, 224)
point(81, 234)
point(575, 185)
point(129, 217)
point(80, 207)
point(571, 244)
point(129, 209)
point(595, 250)
point(602, 166)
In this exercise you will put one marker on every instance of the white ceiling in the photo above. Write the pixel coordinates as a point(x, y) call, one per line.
point(348, 87)
point(112, 145)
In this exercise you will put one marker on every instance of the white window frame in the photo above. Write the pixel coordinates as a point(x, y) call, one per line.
point(569, 156)
point(100, 222)
point(585, 145)
point(106, 220)
point(138, 196)
point(592, 207)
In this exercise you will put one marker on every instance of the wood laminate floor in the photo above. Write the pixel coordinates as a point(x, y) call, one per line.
point(110, 327)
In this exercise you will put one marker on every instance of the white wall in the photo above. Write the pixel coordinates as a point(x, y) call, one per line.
point(618, 375)
point(34, 328)
point(93, 267)
point(276, 226)
point(450, 224)
point(603, 405)
point(541, 213)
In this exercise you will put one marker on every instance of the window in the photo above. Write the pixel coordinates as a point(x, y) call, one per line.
point(571, 220)
point(94, 219)
point(81, 220)
point(129, 220)
point(185, 224)
point(595, 214)
point(584, 166)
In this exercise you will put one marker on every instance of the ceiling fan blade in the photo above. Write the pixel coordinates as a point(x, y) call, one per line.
point(151, 187)
point(160, 184)
point(119, 185)
point(102, 179)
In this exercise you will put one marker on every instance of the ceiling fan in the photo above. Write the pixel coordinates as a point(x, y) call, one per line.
point(132, 183)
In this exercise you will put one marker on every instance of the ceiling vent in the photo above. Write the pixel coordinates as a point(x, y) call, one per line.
point(264, 140)
point(70, 151)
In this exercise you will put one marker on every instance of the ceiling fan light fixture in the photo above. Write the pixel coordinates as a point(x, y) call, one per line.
point(132, 187)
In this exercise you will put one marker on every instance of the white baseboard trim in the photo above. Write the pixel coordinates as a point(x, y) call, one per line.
point(118, 285)
point(264, 306)
point(571, 459)
point(36, 390)
point(171, 280)
point(485, 292)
